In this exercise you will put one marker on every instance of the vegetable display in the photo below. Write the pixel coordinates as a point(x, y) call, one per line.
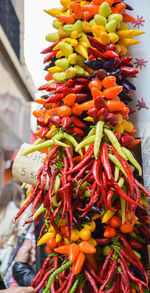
point(96, 227)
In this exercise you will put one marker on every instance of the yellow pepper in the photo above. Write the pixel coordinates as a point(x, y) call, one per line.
point(74, 34)
point(92, 241)
point(118, 48)
point(97, 30)
point(55, 69)
point(107, 216)
point(58, 238)
point(123, 50)
point(54, 11)
point(104, 38)
point(127, 125)
point(45, 238)
point(75, 235)
point(65, 3)
point(82, 51)
point(128, 42)
point(144, 202)
point(129, 33)
point(59, 54)
point(114, 38)
point(91, 226)
point(119, 128)
point(119, 116)
point(90, 119)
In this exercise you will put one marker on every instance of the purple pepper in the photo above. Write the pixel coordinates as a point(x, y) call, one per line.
point(115, 73)
point(109, 64)
point(92, 75)
point(94, 64)
point(128, 7)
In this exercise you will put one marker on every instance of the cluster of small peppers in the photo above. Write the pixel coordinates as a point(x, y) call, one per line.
point(95, 213)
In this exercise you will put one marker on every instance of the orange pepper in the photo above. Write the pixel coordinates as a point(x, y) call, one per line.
point(128, 18)
point(64, 249)
point(114, 106)
point(109, 81)
point(78, 264)
point(109, 232)
point(126, 227)
point(98, 2)
point(133, 290)
point(74, 252)
point(87, 105)
point(110, 2)
point(38, 132)
point(95, 83)
point(93, 9)
point(133, 144)
point(43, 102)
point(96, 93)
point(73, 6)
point(76, 109)
point(120, 7)
point(62, 111)
point(39, 113)
point(69, 19)
point(46, 118)
point(78, 13)
point(114, 10)
point(86, 247)
point(87, 15)
point(111, 92)
point(69, 100)
point(133, 132)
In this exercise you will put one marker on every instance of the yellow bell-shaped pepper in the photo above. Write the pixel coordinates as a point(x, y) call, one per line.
point(45, 238)
point(82, 51)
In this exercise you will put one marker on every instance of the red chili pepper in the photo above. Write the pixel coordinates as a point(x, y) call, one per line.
point(105, 160)
point(106, 263)
point(41, 284)
point(131, 276)
point(135, 244)
point(142, 187)
point(118, 135)
point(55, 98)
point(49, 49)
point(95, 53)
point(125, 60)
point(70, 82)
point(128, 71)
point(93, 273)
point(110, 55)
point(43, 132)
point(123, 266)
point(49, 56)
point(109, 197)
point(80, 97)
point(112, 118)
point(40, 121)
point(83, 170)
point(85, 178)
point(91, 281)
point(75, 130)
point(126, 140)
point(69, 156)
point(102, 114)
point(122, 194)
point(92, 112)
point(80, 80)
point(110, 274)
point(110, 47)
point(70, 282)
point(84, 161)
point(95, 170)
point(99, 102)
point(43, 87)
point(56, 120)
point(96, 44)
point(77, 88)
point(77, 122)
point(66, 122)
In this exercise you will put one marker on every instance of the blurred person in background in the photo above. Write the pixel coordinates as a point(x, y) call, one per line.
point(10, 202)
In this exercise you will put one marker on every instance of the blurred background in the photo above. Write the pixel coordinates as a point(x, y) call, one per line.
point(23, 26)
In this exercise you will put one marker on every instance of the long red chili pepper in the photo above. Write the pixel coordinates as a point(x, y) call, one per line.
point(105, 160)
point(95, 170)
point(83, 170)
point(109, 197)
point(70, 282)
point(110, 273)
point(91, 281)
point(93, 273)
point(82, 163)
point(142, 187)
point(69, 156)
point(106, 263)
point(41, 284)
